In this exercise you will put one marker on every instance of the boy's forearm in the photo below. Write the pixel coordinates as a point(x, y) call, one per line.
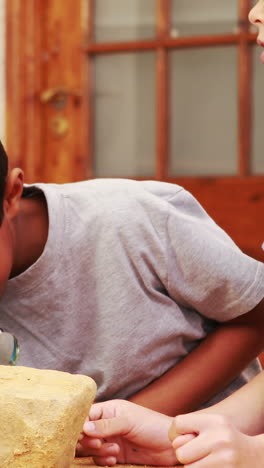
point(208, 369)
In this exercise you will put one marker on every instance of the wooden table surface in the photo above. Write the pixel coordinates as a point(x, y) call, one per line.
point(88, 462)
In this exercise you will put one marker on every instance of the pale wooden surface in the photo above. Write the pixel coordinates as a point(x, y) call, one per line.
point(89, 462)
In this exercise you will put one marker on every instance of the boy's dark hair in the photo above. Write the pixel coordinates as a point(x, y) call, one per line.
point(3, 178)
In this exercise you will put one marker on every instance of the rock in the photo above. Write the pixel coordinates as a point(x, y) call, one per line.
point(41, 416)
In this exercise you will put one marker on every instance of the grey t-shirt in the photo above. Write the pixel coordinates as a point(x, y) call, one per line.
point(132, 277)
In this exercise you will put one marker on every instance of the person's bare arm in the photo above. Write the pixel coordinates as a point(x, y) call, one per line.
point(244, 408)
point(209, 368)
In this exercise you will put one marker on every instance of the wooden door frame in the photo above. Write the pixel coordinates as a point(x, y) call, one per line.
point(40, 40)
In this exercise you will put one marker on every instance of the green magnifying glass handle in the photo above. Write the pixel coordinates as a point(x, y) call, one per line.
point(9, 348)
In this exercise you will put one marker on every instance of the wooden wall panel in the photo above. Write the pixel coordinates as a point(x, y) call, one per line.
point(24, 134)
point(45, 50)
point(162, 93)
point(65, 68)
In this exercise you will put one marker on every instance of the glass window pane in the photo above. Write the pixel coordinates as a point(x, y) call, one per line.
point(193, 17)
point(125, 115)
point(124, 20)
point(258, 152)
point(203, 138)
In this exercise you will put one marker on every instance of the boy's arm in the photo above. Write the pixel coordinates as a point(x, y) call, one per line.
point(209, 368)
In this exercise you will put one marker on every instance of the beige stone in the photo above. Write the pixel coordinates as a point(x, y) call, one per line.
point(41, 416)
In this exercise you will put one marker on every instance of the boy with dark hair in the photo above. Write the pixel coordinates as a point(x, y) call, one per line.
point(128, 282)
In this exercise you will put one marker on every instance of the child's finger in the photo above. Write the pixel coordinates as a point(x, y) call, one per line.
point(106, 450)
point(174, 431)
point(89, 442)
point(105, 461)
point(198, 449)
point(106, 427)
point(96, 412)
point(182, 440)
point(194, 422)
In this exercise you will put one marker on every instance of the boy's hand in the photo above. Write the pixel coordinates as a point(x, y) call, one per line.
point(217, 443)
point(119, 431)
